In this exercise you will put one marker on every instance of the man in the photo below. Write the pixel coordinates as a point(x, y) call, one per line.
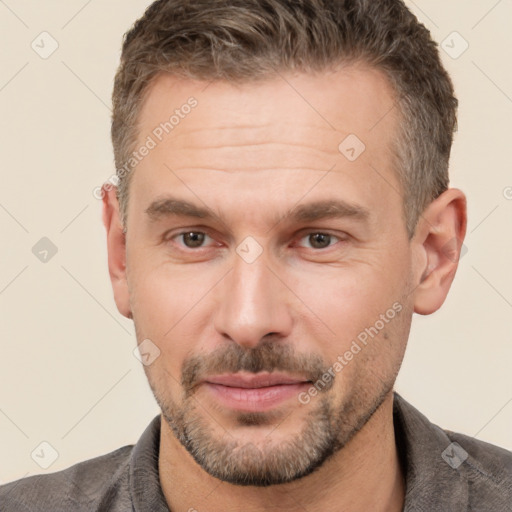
point(282, 209)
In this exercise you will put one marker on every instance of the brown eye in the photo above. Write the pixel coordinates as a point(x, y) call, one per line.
point(319, 240)
point(193, 239)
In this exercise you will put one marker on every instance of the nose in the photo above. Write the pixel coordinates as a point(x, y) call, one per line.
point(252, 303)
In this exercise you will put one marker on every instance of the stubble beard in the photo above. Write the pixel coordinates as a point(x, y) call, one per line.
point(326, 429)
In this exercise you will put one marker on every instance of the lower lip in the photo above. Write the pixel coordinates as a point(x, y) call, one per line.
point(255, 399)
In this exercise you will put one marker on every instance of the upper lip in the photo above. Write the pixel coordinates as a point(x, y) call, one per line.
point(253, 380)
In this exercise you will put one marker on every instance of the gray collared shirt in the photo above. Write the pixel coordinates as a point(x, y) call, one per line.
point(445, 472)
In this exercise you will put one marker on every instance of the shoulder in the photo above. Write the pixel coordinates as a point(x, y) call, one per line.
point(487, 467)
point(485, 453)
point(450, 469)
point(89, 485)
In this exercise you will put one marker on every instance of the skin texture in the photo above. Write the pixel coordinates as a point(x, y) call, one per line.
point(251, 155)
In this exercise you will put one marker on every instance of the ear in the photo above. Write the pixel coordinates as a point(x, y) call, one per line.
point(116, 247)
point(438, 243)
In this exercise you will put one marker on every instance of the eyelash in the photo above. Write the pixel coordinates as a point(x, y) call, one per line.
point(305, 235)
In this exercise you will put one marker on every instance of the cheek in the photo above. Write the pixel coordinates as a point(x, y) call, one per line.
point(161, 293)
point(154, 304)
point(170, 307)
point(359, 303)
point(345, 299)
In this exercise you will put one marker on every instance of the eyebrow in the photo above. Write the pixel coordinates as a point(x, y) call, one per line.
point(169, 206)
point(329, 209)
point(317, 210)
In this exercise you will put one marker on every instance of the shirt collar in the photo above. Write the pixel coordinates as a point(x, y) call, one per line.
point(431, 482)
point(145, 489)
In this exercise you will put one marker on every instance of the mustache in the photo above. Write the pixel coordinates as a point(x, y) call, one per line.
point(269, 356)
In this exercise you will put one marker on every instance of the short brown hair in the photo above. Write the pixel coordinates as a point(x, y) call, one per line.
point(244, 40)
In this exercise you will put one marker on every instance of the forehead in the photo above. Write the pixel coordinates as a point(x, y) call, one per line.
point(253, 134)
point(354, 99)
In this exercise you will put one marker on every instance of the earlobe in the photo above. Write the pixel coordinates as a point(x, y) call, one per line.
point(116, 248)
point(439, 238)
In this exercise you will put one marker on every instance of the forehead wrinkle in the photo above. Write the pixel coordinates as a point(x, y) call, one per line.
point(270, 144)
point(250, 136)
point(245, 168)
point(193, 137)
point(248, 127)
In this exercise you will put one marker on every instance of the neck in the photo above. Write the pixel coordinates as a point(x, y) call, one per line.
point(364, 475)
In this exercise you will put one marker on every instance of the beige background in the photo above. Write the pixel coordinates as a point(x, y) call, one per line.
point(68, 374)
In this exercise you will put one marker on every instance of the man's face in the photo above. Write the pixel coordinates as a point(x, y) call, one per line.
point(257, 245)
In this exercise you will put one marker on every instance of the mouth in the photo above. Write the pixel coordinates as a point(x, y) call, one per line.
point(254, 392)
